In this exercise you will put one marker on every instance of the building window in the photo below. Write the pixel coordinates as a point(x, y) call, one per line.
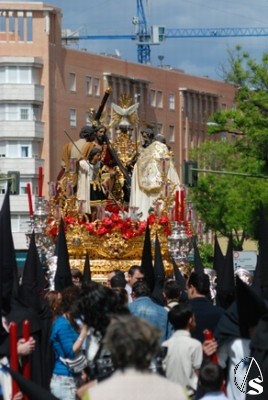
point(24, 151)
point(15, 74)
point(88, 118)
point(171, 133)
point(29, 24)
point(11, 22)
point(72, 82)
point(223, 136)
point(24, 221)
point(15, 223)
point(171, 100)
point(72, 118)
point(36, 113)
point(88, 86)
point(159, 100)
point(152, 98)
point(96, 87)
point(24, 113)
point(159, 128)
point(23, 189)
point(18, 112)
point(20, 25)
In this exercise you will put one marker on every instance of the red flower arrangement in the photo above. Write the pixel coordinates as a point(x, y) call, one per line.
point(114, 222)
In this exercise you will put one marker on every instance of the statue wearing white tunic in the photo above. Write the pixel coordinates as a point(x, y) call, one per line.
point(147, 178)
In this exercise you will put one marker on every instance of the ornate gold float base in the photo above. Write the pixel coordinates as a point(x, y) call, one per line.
point(112, 251)
point(100, 268)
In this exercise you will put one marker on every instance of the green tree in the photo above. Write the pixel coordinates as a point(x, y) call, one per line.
point(228, 203)
point(225, 202)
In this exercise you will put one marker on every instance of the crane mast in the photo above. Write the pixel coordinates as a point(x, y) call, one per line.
point(142, 35)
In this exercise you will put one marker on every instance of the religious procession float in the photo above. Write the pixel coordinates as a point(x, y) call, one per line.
point(145, 191)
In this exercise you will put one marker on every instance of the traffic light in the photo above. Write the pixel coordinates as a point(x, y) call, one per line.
point(190, 174)
point(14, 181)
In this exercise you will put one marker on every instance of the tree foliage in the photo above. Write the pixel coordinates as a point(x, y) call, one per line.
point(228, 203)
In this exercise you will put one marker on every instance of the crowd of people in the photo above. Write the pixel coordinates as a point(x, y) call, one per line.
point(123, 343)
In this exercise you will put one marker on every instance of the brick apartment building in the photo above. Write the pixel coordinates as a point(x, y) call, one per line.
point(47, 88)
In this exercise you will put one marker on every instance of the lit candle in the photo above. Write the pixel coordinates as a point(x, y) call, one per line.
point(189, 214)
point(171, 213)
point(163, 165)
point(57, 212)
point(40, 181)
point(176, 206)
point(26, 364)
point(30, 203)
point(81, 206)
point(69, 189)
point(166, 189)
point(182, 204)
point(52, 189)
point(14, 363)
point(157, 206)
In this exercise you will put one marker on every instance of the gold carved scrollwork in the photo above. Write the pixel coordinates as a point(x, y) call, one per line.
point(110, 251)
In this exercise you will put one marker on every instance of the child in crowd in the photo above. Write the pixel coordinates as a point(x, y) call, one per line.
point(211, 380)
point(184, 354)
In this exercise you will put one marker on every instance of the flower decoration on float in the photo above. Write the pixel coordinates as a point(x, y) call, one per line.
point(111, 222)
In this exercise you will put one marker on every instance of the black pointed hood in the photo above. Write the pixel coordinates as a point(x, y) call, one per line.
point(33, 279)
point(86, 273)
point(226, 285)
point(181, 280)
point(198, 264)
point(251, 307)
point(30, 388)
point(147, 259)
point(218, 259)
point(261, 275)
point(8, 266)
point(159, 274)
point(63, 276)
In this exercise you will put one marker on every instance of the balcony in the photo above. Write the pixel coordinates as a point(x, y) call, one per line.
point(26, 166)
point(21, 130)
point(21, 92)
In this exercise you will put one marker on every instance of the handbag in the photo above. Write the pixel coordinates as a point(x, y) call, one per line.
point(77, 364)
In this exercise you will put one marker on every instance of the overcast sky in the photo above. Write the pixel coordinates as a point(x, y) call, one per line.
point(197, 56)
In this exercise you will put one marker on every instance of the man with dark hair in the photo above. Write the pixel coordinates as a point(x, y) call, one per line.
point(132, 344)
point(118, 281)
point(171, 293)
point(100, 131)
point(147, 135)
point(108, 161)
point(79, 148)
point(74, 151)
point(111, 274)
point(211, 380)
point(206, 314)
point(184, 354)
point(144, 307)
point(77, 277)
point(135, 274)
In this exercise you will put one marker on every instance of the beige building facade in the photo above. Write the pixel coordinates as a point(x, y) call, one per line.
point(48, 88)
